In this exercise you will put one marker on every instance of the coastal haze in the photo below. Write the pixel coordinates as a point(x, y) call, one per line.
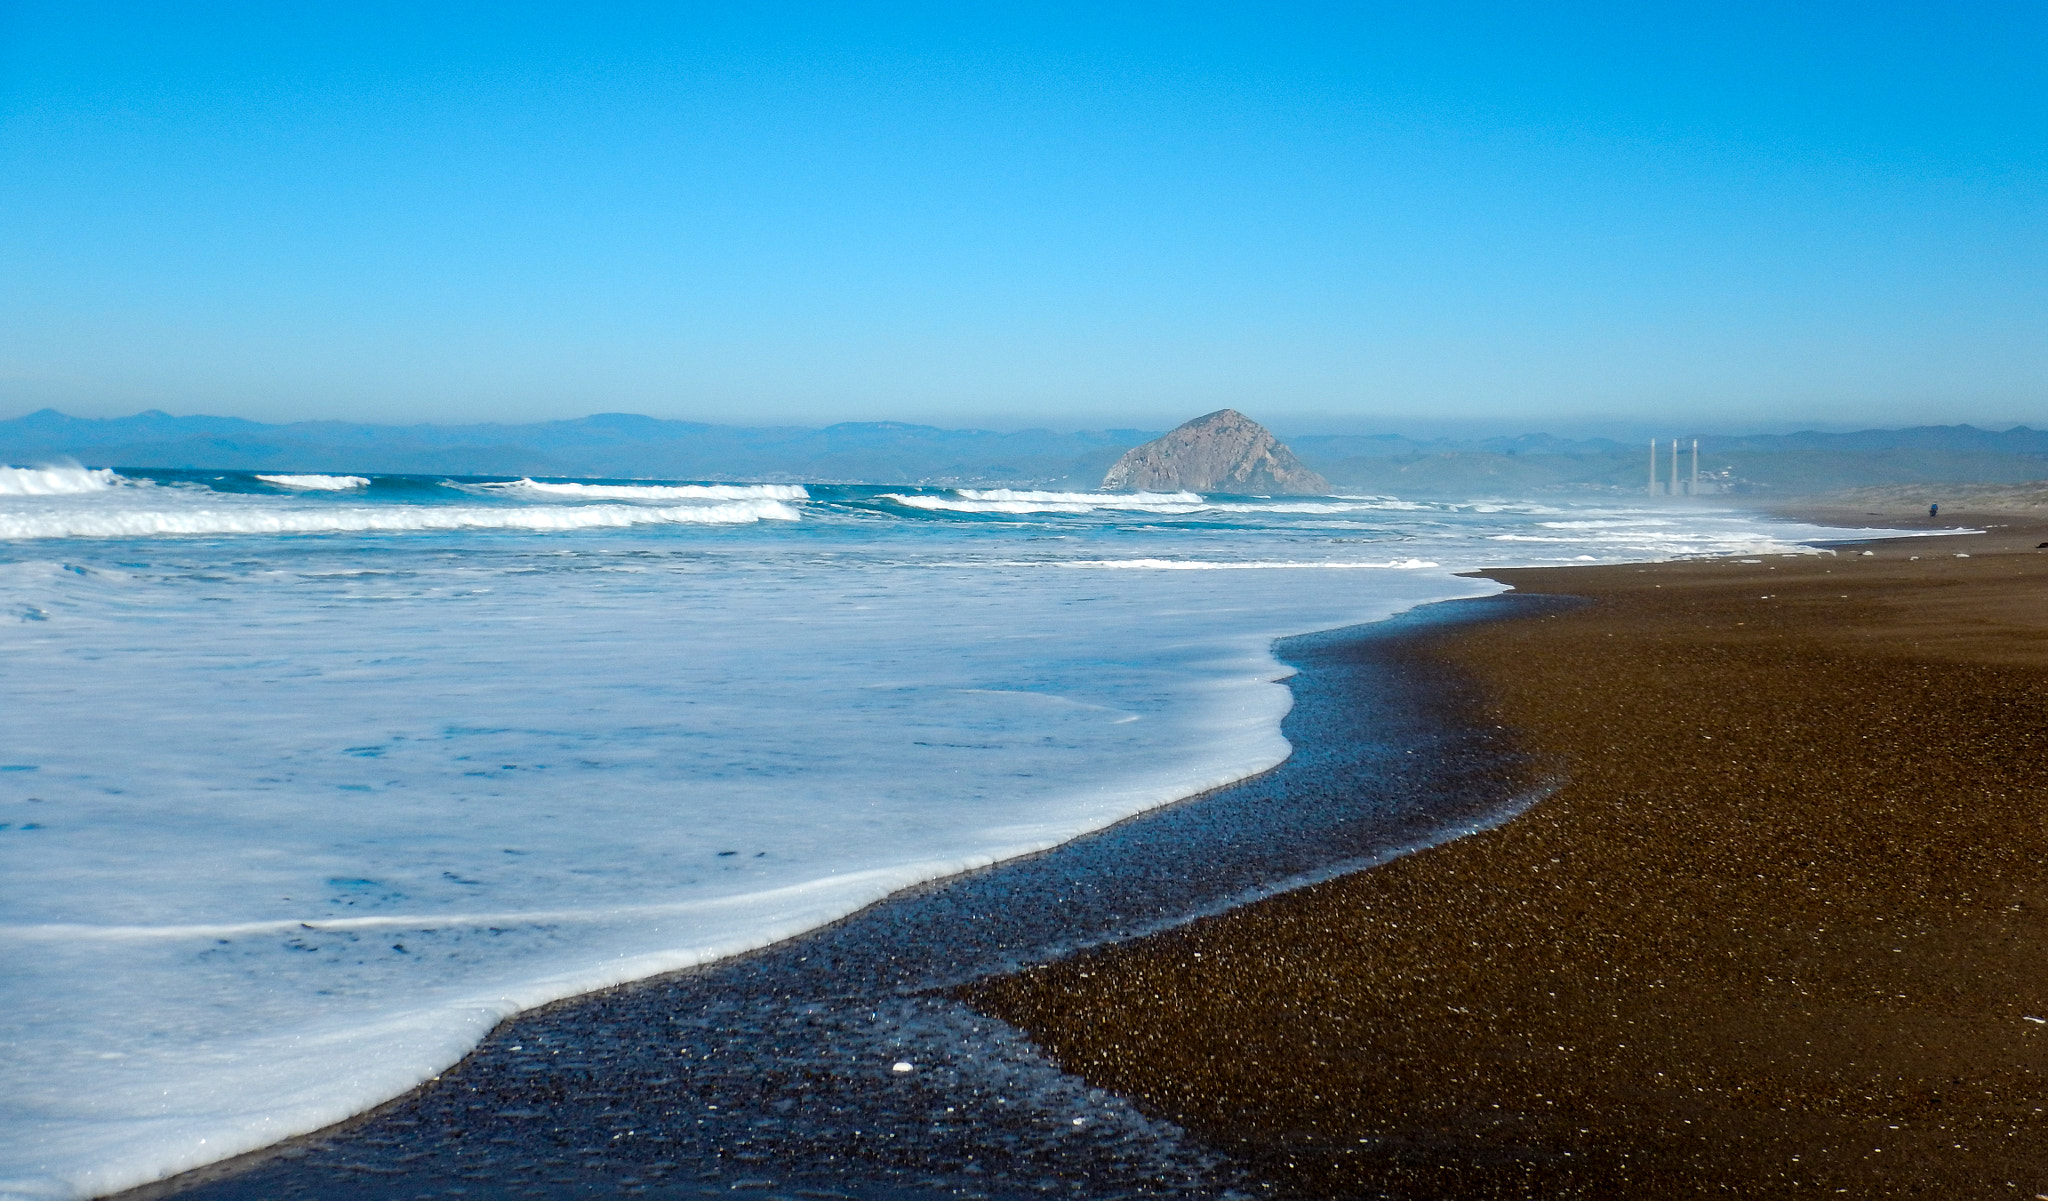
point(1513, 462)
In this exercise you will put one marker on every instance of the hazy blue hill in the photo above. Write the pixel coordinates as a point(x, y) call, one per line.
point(1962, 439)
point(617, 445)
point(1770, 464)
point(1789, 472)
point(627, 445)
point(1341, 447)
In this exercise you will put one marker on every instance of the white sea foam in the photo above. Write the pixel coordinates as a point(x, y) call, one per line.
point(371, 756)
point(55, 481)
point(1664, 542)
point(317, 483)
point(1113, 500)
point(296, 821)
point(574, 491)
point(254, 519)
point(1244, 565)
point(1008, 500)
point(1310, 507)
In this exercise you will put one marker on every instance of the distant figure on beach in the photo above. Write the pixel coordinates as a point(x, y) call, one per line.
point(1934, 508)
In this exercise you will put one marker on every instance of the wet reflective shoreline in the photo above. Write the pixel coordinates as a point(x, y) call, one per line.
point(837, 1065)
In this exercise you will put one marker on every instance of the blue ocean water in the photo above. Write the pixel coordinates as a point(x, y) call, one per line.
point(310, 780)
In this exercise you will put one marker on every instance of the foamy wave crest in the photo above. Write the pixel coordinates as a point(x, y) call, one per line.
point(655, 491)
point(317, 483)
point(1310, 506)
point(55, 481)
point(1241, 565)
point(142, 523)
point(1007, 500)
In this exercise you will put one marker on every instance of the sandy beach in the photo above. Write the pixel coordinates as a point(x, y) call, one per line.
point(1781, 933)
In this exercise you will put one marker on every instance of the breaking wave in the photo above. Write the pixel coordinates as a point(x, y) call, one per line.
point(138, 523)
point(55, 481)
point(1008, 500)
point(317, 483)
point(652, 491)
point(1309, 506)
point(1240, 565)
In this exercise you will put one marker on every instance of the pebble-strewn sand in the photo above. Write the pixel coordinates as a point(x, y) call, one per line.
point(1783, 933)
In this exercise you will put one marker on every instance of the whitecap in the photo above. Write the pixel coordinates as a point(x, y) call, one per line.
point(317, 483)
point(1011, 500)
point(1241, 565)
point(1019, 501)
point(1309, 507)
point(538, 489)
point(55, 481)
point(142, 523)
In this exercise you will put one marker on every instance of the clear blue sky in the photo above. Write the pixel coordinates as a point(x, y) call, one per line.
point(1349, 217)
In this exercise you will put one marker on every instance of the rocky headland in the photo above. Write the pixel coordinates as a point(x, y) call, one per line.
point(1222, 452)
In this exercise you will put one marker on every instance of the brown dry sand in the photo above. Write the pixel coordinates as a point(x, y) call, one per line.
point(1784, 932)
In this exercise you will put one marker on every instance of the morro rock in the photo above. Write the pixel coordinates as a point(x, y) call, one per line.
point(1223, 452)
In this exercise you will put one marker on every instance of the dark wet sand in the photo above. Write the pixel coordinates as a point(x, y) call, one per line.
point(1784, 932)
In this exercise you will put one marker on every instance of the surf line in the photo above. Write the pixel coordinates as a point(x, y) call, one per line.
point(794, 1046)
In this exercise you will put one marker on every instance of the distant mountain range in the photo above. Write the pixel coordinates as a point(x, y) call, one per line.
point(608, 445)
point(1795, 464)
point(626, 446)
